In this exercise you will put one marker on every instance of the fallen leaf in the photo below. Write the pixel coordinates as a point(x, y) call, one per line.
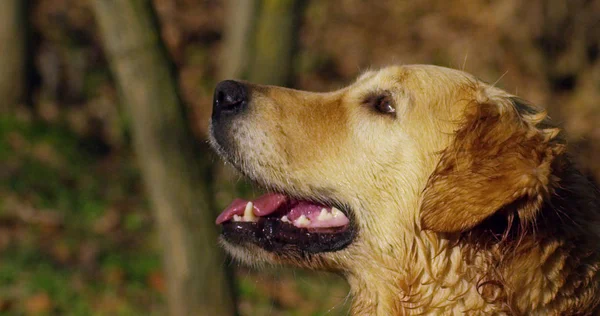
point(38, 304)
point(156, 280)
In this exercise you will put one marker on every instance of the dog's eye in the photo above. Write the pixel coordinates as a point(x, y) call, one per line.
point(382, 103)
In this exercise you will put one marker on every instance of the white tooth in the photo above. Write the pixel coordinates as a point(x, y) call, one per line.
point(237, 218)
point(335, 212)
point(248, 214)
point(324, 215)
point(285, 219)
point(302, 221)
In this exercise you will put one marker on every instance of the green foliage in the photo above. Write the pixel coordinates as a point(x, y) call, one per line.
point(66, 244)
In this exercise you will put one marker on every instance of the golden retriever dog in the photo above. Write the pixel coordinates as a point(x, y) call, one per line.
point(429, 190)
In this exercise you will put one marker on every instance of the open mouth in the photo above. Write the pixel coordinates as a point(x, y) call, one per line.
point(276, 221)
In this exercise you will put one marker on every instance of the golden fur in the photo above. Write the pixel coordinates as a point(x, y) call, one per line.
point(464, 200)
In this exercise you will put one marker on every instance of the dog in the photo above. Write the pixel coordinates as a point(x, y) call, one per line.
point(429, 190)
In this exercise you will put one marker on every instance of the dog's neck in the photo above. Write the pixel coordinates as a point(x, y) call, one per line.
point(553, 268)
point(435, 276)
point(452, 282)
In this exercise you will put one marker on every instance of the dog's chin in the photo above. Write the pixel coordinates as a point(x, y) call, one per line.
point(255, 256)
point(248, 253)
point(273, 235)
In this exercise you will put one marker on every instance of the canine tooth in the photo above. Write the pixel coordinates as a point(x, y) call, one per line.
point(237, 218)
point(285, 219)
point(324, 215)
point(302, 221)
point(335, 212)
point(248, 214)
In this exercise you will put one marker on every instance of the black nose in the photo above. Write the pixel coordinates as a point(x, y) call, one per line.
point(231, 97)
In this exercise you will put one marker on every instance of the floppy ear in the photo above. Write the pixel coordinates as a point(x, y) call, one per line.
point(499, 161)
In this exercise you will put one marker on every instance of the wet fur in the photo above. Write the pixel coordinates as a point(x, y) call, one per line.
point(465, 201)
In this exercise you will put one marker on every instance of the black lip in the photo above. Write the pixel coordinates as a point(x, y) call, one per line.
point(273, 235)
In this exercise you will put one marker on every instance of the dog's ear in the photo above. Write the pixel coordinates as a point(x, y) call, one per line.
point(501, 159)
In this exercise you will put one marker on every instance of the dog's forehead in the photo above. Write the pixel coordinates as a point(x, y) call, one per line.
point(402, 73)
point(408, 76)
point(389, 78)
point(388, 75)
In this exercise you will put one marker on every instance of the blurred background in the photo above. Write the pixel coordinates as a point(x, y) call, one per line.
point(108, 190)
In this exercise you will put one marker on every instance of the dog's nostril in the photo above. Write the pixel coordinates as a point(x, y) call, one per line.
point(230, 98)
point(227, 102)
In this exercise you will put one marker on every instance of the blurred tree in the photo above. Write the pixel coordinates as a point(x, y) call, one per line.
point(235, 51)
point(13, 21)
point(196, 278)
point(259, 43)
point(275, 42)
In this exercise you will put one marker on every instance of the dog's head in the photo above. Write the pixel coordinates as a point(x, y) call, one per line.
point(355, 172)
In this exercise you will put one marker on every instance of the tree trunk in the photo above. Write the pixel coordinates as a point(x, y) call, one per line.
point(12, 53)
point(197, 281)
point(275, 42)
point(236, 50)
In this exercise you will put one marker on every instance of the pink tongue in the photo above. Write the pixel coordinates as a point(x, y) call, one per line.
point(311, 211)
point(235, 208)
point(263, 206)
point(268, 203)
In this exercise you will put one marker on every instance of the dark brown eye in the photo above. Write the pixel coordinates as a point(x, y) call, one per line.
point(381, 102)
point(385, 105)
